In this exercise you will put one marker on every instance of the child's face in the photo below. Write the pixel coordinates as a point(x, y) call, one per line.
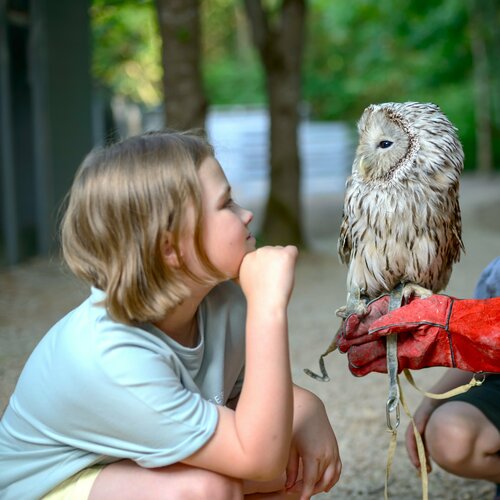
point(226, 236)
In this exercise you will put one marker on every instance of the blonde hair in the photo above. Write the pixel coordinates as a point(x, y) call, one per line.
point(124, 200)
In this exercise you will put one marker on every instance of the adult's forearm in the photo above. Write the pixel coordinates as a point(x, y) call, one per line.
point(451, 379)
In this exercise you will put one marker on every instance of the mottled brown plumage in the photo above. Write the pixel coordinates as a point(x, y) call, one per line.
point(401, 220)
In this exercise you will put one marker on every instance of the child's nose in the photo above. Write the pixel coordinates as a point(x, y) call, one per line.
point(247, 216)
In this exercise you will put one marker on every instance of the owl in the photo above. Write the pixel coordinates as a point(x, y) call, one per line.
point(401, 220)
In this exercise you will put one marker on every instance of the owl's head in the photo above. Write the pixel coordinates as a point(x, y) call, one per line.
point(401, 137)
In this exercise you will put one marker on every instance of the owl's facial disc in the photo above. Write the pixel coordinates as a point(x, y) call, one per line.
point(382, 146)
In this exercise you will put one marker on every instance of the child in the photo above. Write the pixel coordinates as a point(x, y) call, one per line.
point(139, 391)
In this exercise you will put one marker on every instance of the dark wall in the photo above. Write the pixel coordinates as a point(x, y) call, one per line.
point(45, 117)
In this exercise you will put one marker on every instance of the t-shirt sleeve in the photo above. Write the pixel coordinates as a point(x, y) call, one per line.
point(140, 408)
point(488, 285)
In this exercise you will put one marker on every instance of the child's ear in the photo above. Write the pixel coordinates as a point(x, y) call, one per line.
point(168, 251)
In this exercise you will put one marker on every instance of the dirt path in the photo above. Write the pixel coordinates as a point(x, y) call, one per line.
point(33, 296)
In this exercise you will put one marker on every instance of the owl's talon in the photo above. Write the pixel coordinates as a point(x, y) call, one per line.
point(360, 310)
point(412, 289)
point(341, 312)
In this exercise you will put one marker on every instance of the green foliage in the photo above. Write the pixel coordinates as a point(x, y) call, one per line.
point(127, 49)
point(231, 82)
point(378, 51)
point(365, 51)
point(231, 69)
point(357, 52)
point(127, 52)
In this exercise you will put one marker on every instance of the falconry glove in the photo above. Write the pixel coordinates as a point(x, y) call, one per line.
point(436, 331)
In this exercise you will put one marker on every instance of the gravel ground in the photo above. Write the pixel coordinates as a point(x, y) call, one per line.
point(34, 295)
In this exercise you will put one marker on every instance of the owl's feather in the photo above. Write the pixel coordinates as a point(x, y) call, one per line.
point(401, 220)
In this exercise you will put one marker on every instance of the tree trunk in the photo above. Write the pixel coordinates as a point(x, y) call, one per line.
point(184, 96)
point(482, 88)
point(280, 45)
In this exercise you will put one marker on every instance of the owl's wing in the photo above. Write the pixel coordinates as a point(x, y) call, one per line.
point(344, 245)
point(457, 246)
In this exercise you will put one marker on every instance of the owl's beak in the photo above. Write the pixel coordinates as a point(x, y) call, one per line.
point(361, 166)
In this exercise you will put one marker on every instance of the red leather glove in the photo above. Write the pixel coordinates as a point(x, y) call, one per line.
point(437, 331)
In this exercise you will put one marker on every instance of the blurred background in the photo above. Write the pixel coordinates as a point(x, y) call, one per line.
point(278, 85)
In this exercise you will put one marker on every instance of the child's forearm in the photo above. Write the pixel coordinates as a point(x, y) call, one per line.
point(253, 442)
point(265, 409)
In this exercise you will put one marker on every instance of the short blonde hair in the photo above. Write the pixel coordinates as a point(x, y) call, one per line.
point(124, 200)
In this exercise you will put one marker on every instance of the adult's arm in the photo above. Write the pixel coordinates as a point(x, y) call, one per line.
point(436, 331)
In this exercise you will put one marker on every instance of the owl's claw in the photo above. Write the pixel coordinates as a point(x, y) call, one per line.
point(412, 289)
point(341, 312)
point(359, 309)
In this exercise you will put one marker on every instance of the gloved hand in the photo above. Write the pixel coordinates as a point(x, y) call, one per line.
point(436, 331)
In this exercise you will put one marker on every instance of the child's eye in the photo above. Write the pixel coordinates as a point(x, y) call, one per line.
point(229, 203)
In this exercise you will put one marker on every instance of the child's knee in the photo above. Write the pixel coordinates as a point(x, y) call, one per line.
point(451, 435)
point(213, 485)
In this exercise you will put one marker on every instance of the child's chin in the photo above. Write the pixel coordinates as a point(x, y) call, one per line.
point(251, 243)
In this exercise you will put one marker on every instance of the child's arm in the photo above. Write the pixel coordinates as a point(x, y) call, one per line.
point(253, 442)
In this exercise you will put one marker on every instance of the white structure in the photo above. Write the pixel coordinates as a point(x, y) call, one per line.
point(240, 138)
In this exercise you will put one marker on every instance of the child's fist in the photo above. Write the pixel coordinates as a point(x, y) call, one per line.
point(267, 275)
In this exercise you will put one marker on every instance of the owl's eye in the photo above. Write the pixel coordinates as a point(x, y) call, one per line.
point(384, 144)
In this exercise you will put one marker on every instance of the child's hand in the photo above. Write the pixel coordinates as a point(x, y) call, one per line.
point(313, 443)
point(267, 275)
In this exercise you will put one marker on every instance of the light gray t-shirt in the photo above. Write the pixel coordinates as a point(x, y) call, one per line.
point(96, 391)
